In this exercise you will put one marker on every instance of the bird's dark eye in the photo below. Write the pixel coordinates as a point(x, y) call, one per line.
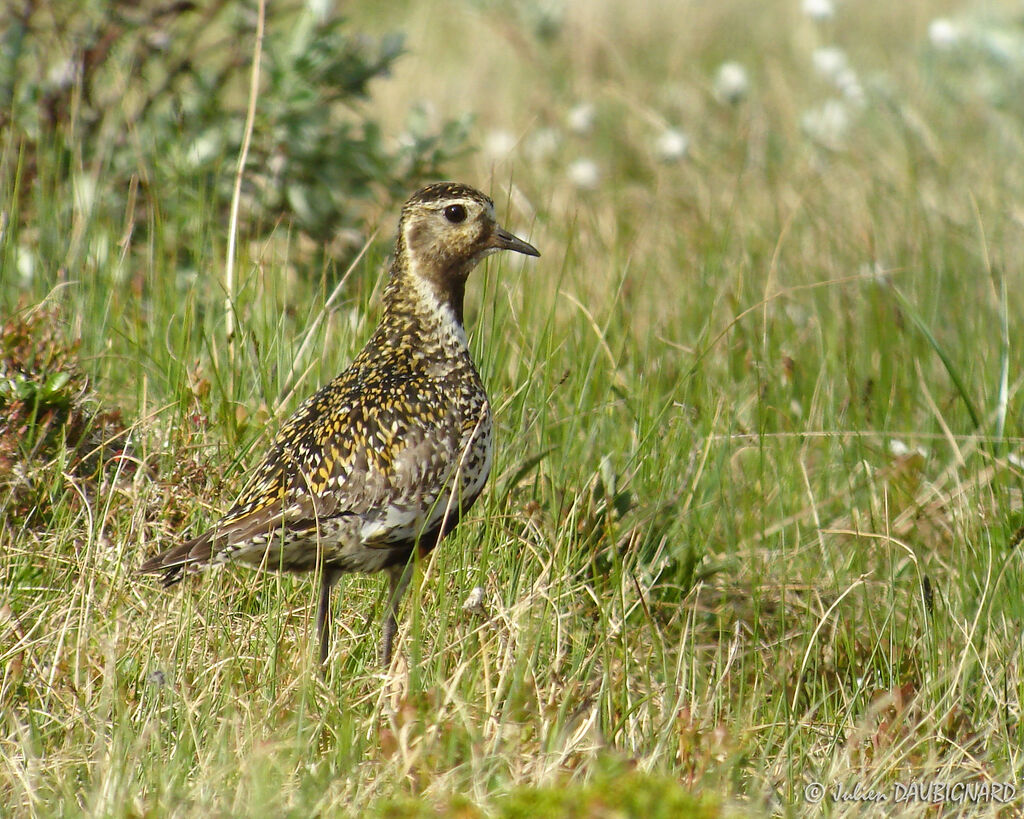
point(455, 214)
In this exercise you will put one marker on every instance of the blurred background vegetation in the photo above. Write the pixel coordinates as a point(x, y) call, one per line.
point(149, 101)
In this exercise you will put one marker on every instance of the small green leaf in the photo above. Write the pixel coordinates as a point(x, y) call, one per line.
point(55, 383)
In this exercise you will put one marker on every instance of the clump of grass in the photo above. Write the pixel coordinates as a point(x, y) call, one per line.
point(50, 420)
point(611, 794)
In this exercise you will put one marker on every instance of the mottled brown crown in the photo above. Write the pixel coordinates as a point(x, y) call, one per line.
point(441, 191)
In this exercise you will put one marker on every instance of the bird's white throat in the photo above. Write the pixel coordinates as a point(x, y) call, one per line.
point(450, 328)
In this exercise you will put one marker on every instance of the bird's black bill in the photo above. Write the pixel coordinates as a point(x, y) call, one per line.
point(506, 241)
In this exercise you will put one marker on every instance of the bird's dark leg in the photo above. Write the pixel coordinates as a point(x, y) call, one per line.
point(398, 581)
point(323, 611)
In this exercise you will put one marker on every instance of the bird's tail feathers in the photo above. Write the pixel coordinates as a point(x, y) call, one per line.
point(185, 558)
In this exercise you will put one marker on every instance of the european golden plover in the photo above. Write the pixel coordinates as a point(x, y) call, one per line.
point(386, 458)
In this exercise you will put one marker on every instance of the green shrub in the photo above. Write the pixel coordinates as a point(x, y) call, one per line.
point(152, 98)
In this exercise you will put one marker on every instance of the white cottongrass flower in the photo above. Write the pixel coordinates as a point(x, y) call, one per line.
point(899, 449)
point(320, 9)
point(25, 263)
point(819, 10)
point(498, 144)
point(159, 40)
point(731, 82)
point(830, 62)
point(63, 74)
point(827, 124)
point(581, 118)
point(876, 272)
point(944, 34)
point(543, 143)
point(849, 86)
point(584, 174)
point(671, 145)
point(203, 148)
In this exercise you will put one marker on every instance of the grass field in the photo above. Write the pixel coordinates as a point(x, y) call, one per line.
point(754, 517)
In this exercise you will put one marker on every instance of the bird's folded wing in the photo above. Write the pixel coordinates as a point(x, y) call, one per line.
point(367, 464)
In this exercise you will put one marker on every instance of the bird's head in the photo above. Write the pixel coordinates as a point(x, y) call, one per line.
point(447, 228)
